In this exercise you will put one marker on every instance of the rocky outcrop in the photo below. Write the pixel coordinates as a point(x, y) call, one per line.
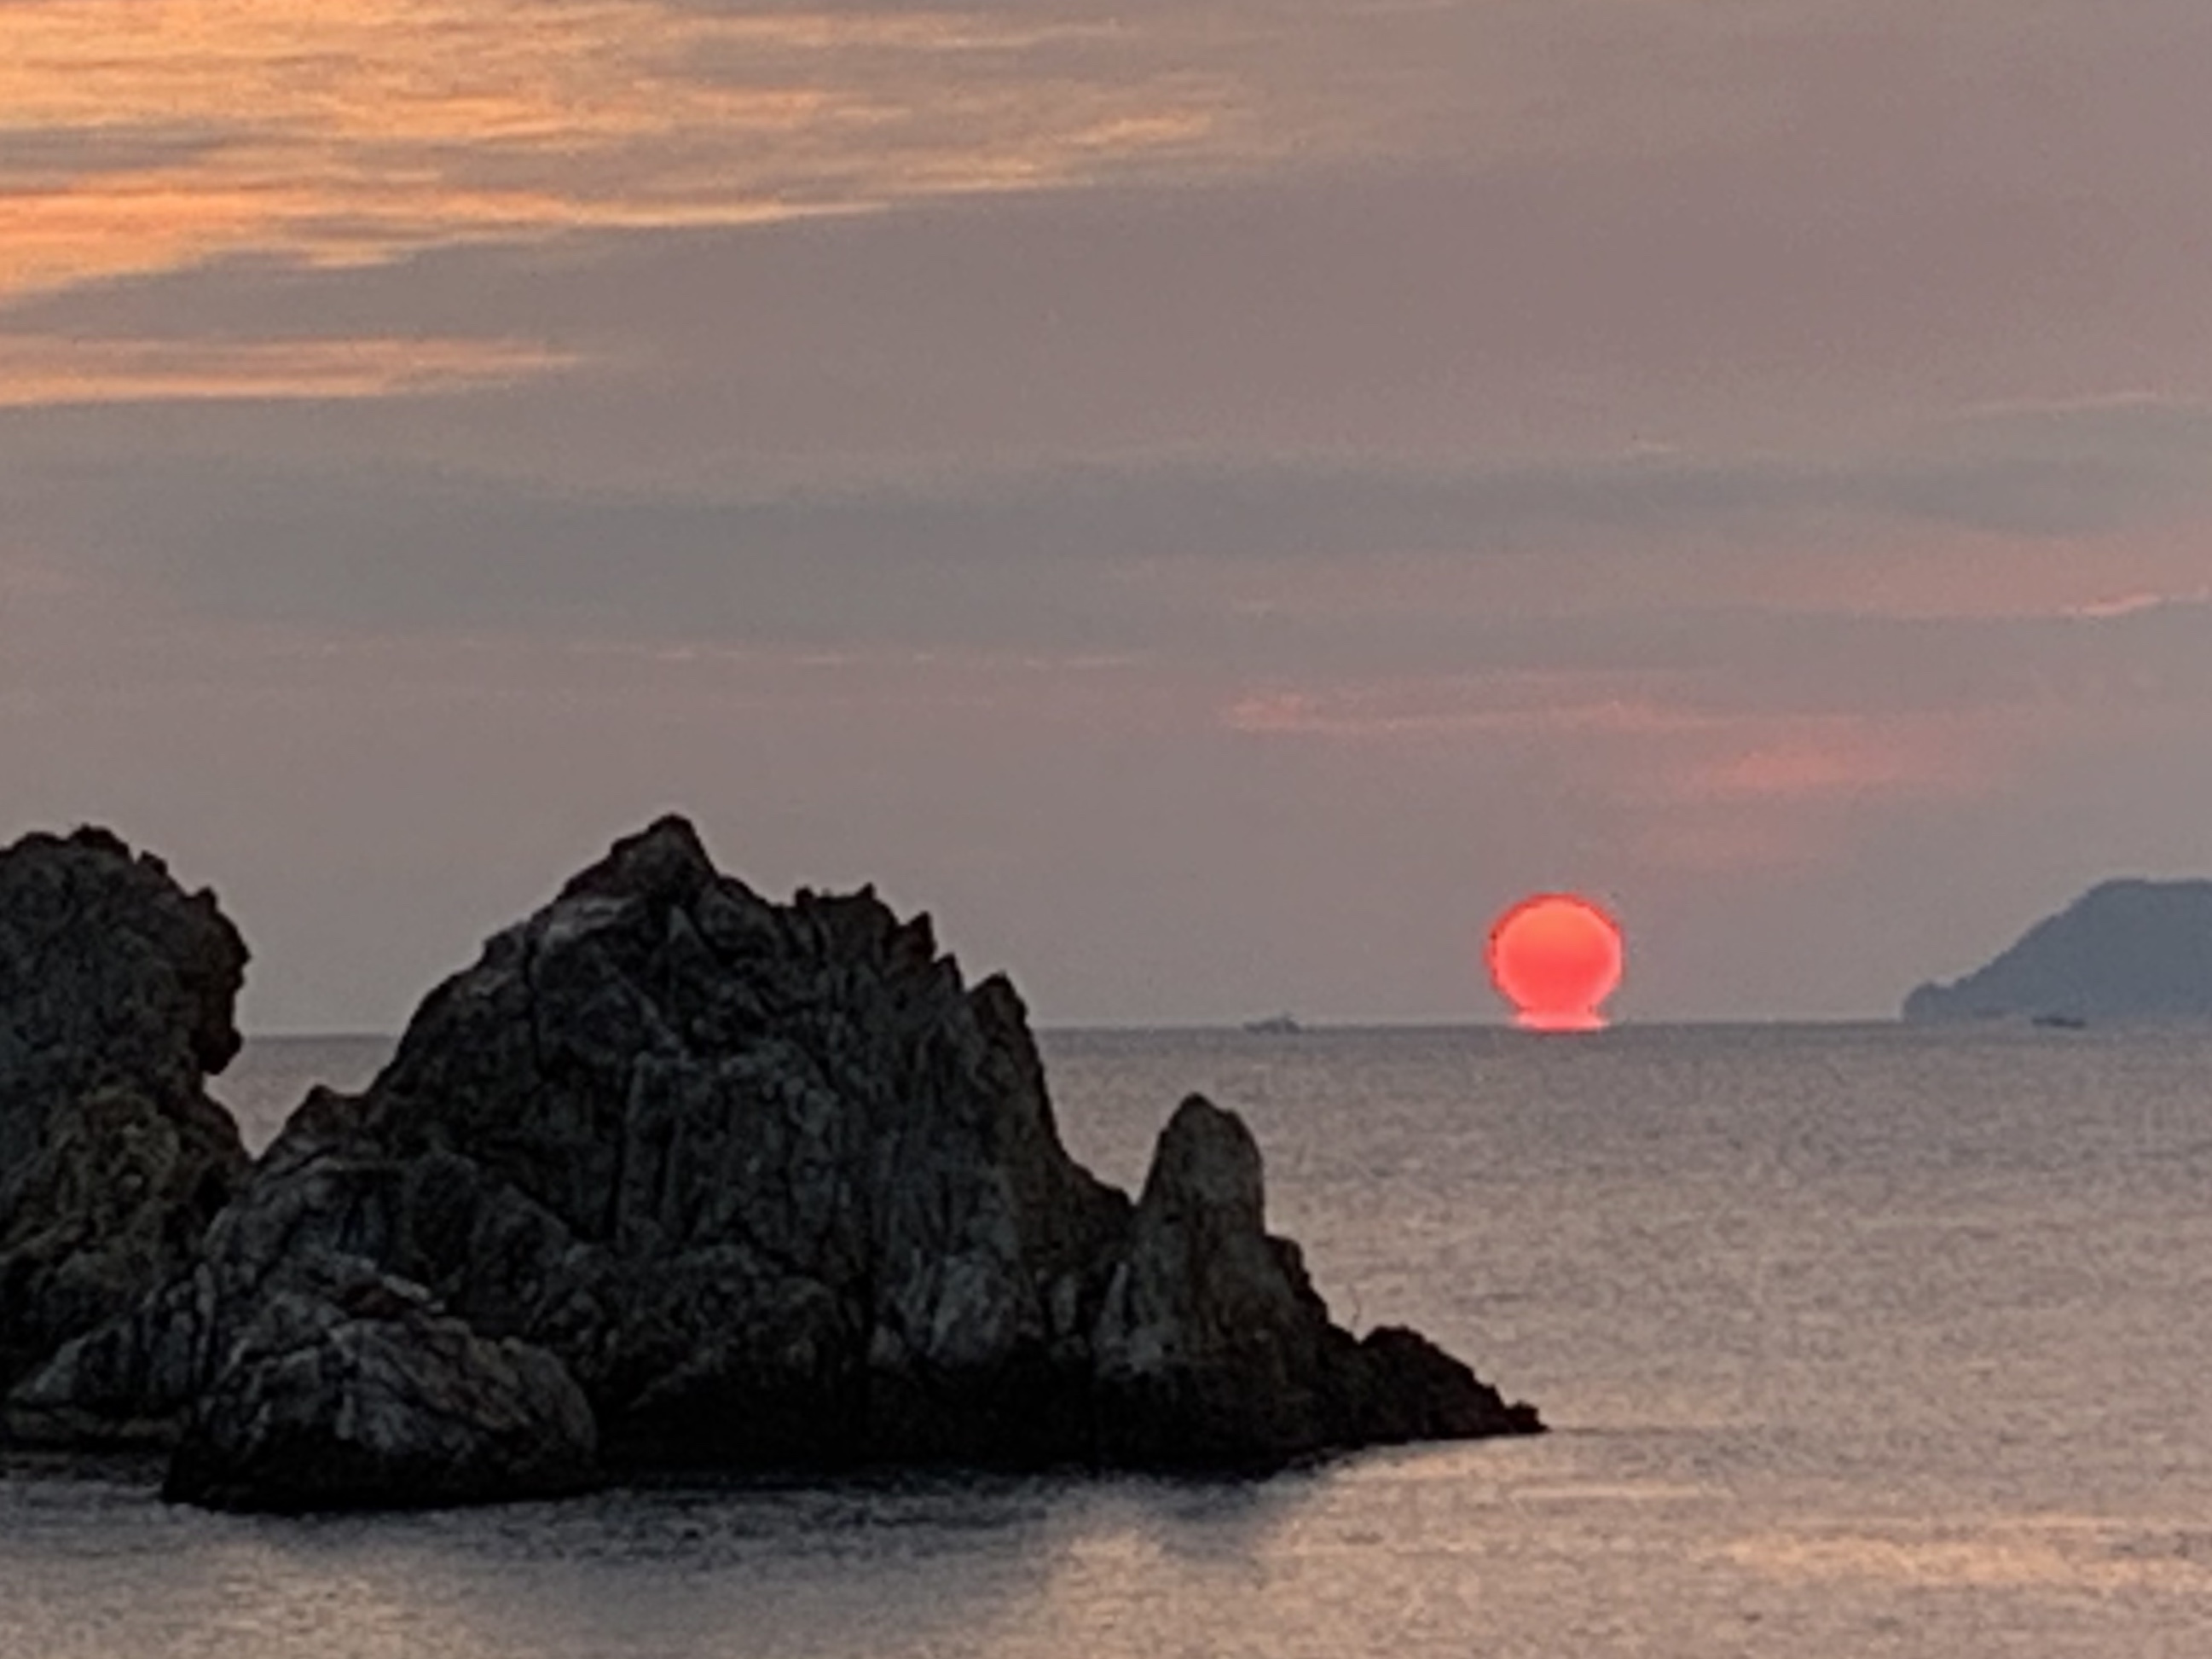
point(2128, 950)
point(1213, 1348)
point(363, 1397)
point(1211, 1345)
point(116, 996)
point(771, 1186)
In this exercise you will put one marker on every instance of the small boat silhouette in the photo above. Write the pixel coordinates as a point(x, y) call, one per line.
point(1274, 1025)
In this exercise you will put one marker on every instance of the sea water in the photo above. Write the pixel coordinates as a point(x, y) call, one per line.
point(1856, 1341)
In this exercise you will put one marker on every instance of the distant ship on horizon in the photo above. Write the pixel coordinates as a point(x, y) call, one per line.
point(1274, 1025)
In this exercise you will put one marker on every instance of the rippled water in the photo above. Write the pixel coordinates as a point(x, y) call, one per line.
point(1859, 1342)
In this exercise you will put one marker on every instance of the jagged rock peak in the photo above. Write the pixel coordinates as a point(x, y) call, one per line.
point(665, 862)
point(1205, 1160)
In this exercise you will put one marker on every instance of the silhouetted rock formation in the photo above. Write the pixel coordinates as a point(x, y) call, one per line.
point(2125, 950)
point(363, 1397)
point(772, 1187)
point(116, 991)
point(1213, 1347)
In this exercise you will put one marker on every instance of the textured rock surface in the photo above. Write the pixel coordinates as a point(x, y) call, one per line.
point(1212, 1347)
point(773, 1187)
point(2125, 950)
point(363, 1396)
point(116, 992)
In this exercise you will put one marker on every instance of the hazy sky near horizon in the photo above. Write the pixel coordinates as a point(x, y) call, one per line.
point(1212, 499)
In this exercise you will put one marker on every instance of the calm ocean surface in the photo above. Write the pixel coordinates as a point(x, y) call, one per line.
point(1857, 1340)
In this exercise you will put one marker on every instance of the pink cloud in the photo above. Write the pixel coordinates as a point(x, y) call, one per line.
point(1510, 703)
point(1667, 780)
point(1831, 760)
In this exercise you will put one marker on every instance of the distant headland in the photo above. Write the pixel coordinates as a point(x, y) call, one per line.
point(2126, 950)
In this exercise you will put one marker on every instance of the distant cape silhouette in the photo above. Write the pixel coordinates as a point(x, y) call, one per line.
point(2128, 949)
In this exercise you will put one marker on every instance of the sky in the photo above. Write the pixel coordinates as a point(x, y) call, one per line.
point(1213, 501)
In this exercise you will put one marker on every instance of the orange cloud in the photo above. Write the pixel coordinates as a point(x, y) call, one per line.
point(36, 370)
point(346, 131)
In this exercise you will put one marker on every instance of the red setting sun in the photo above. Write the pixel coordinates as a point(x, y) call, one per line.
point(1555, 957)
